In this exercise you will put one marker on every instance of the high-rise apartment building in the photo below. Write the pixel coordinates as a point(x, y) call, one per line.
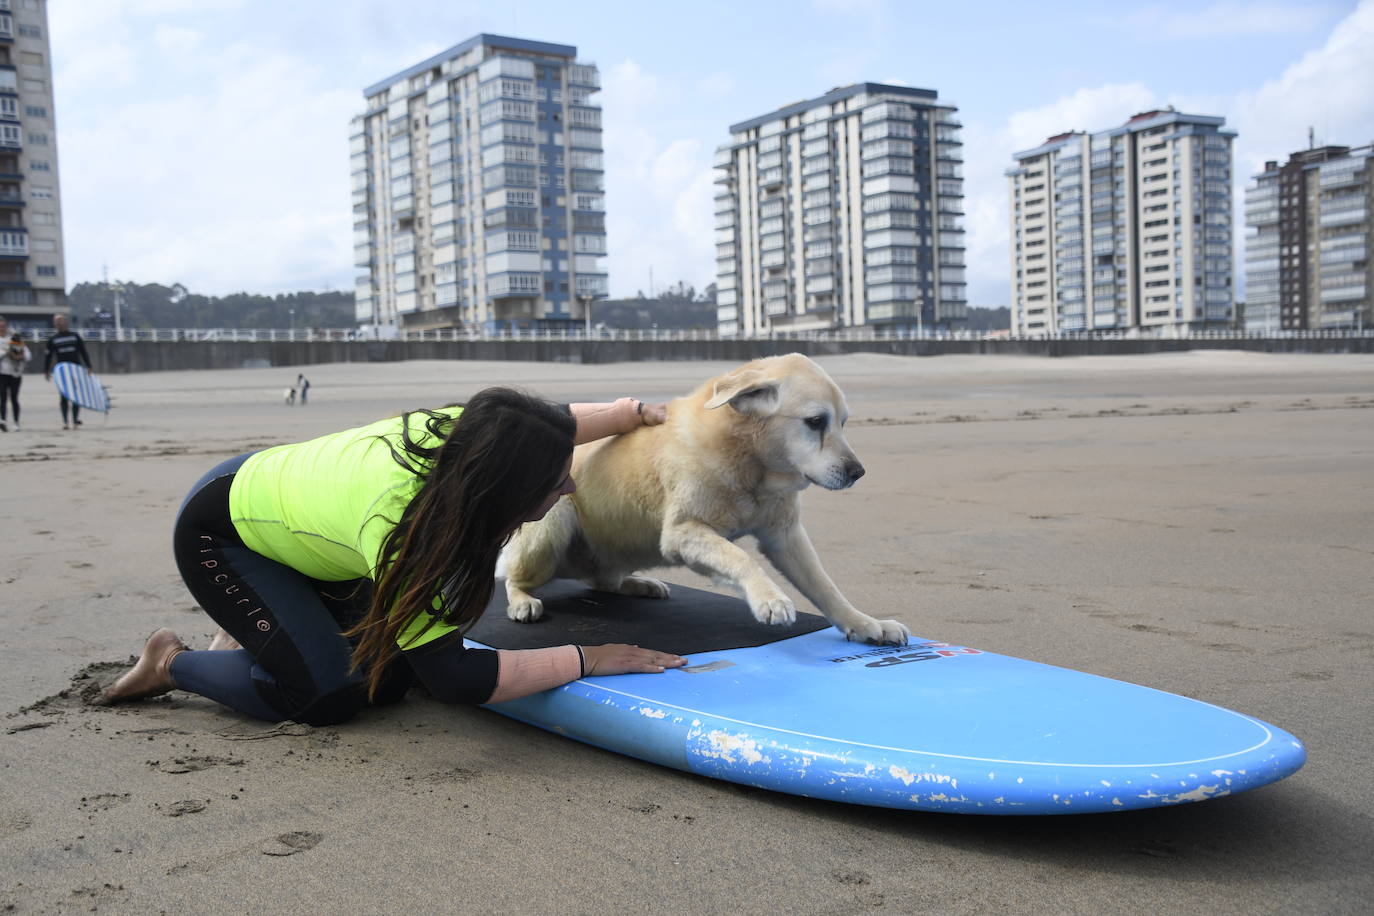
point(32, 279)
point(842, 210)
point(478, 190)
point(1128, 228)
point(1307, 261)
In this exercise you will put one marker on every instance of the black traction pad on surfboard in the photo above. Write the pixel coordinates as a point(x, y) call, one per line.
point(688, 621)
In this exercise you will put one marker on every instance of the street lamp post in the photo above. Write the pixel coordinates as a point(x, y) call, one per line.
point(587, 313)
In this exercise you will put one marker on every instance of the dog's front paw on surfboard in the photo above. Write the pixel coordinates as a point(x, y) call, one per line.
point(523, 608)
point(877, 632)
point(778, 611)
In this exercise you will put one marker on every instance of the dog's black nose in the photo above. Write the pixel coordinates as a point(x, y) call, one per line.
point(853, 470)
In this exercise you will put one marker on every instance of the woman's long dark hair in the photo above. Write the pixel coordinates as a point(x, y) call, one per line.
point(494, 465)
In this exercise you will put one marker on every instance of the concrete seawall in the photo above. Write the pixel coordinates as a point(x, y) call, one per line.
point(113, 357)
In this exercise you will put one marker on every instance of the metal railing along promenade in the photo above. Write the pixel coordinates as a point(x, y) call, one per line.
point(273, 335)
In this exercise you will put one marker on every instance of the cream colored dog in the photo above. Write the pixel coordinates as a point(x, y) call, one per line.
point(731, 461)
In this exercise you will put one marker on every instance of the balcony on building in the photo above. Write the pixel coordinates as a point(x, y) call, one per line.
point(584, 75)
point(1340, 177)
point(773, 259)
point(886, 111)
point(1344, 216)
point(14, 242)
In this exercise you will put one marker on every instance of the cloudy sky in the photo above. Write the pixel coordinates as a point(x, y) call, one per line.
point(205, 142)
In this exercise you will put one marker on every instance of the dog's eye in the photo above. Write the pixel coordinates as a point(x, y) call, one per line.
point(816, 423)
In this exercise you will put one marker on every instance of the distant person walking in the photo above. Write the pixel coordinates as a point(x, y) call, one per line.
point(12, 362)
point(65, 346)
point(303, 386)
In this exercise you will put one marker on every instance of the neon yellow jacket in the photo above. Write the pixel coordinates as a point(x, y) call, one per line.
point(323, 507)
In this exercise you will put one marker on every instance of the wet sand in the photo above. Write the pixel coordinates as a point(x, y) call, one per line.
point(1198, 522)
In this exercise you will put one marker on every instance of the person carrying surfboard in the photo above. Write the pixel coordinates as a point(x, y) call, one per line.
point(343, 568)
point(65, 346)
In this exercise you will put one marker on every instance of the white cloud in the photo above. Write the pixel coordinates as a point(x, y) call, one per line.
point(1229, 18)
point(658, 189)
point(718, 85)
point(236, 180)
point(171, 39)
point(1330, 90)
point(1087, 109)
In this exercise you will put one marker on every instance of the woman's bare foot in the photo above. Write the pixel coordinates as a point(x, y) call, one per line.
point(151, 676)
point(223, 641)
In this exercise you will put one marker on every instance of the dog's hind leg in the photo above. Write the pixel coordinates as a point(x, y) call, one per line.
point(640, 586)
point(532, 559)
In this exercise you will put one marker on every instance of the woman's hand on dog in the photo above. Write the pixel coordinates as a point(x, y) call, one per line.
point(652, 414)
point(618, 658)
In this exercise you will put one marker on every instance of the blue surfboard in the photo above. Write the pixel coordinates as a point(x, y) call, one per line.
point(80, 385)
point(928, 726)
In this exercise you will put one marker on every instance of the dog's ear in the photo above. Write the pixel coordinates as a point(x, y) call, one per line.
point(748, 392)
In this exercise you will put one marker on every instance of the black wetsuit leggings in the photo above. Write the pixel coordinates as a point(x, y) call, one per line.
point(9, 394)
point(295, 661)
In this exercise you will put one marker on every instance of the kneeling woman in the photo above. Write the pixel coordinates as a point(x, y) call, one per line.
point(342, 568)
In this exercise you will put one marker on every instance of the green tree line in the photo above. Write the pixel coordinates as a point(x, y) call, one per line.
point(153, 305)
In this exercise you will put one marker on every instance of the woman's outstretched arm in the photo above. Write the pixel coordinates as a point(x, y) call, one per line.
point(453, 673)
point(598, 420)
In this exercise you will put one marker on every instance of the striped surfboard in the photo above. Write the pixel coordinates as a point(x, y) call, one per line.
point(79, 385)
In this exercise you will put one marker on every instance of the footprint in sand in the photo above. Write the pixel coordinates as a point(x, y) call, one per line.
point(177, 809)
point(14, 821)
point(104, 801)
point(180, 765)
point(288, 844)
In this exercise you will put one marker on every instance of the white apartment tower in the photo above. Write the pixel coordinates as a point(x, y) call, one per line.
point(1307, 261)
point(1128, 228)
point(32, 279)
point(841, 211)
point(478, 191)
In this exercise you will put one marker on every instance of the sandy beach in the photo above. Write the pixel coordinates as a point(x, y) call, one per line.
point(1199, 522)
